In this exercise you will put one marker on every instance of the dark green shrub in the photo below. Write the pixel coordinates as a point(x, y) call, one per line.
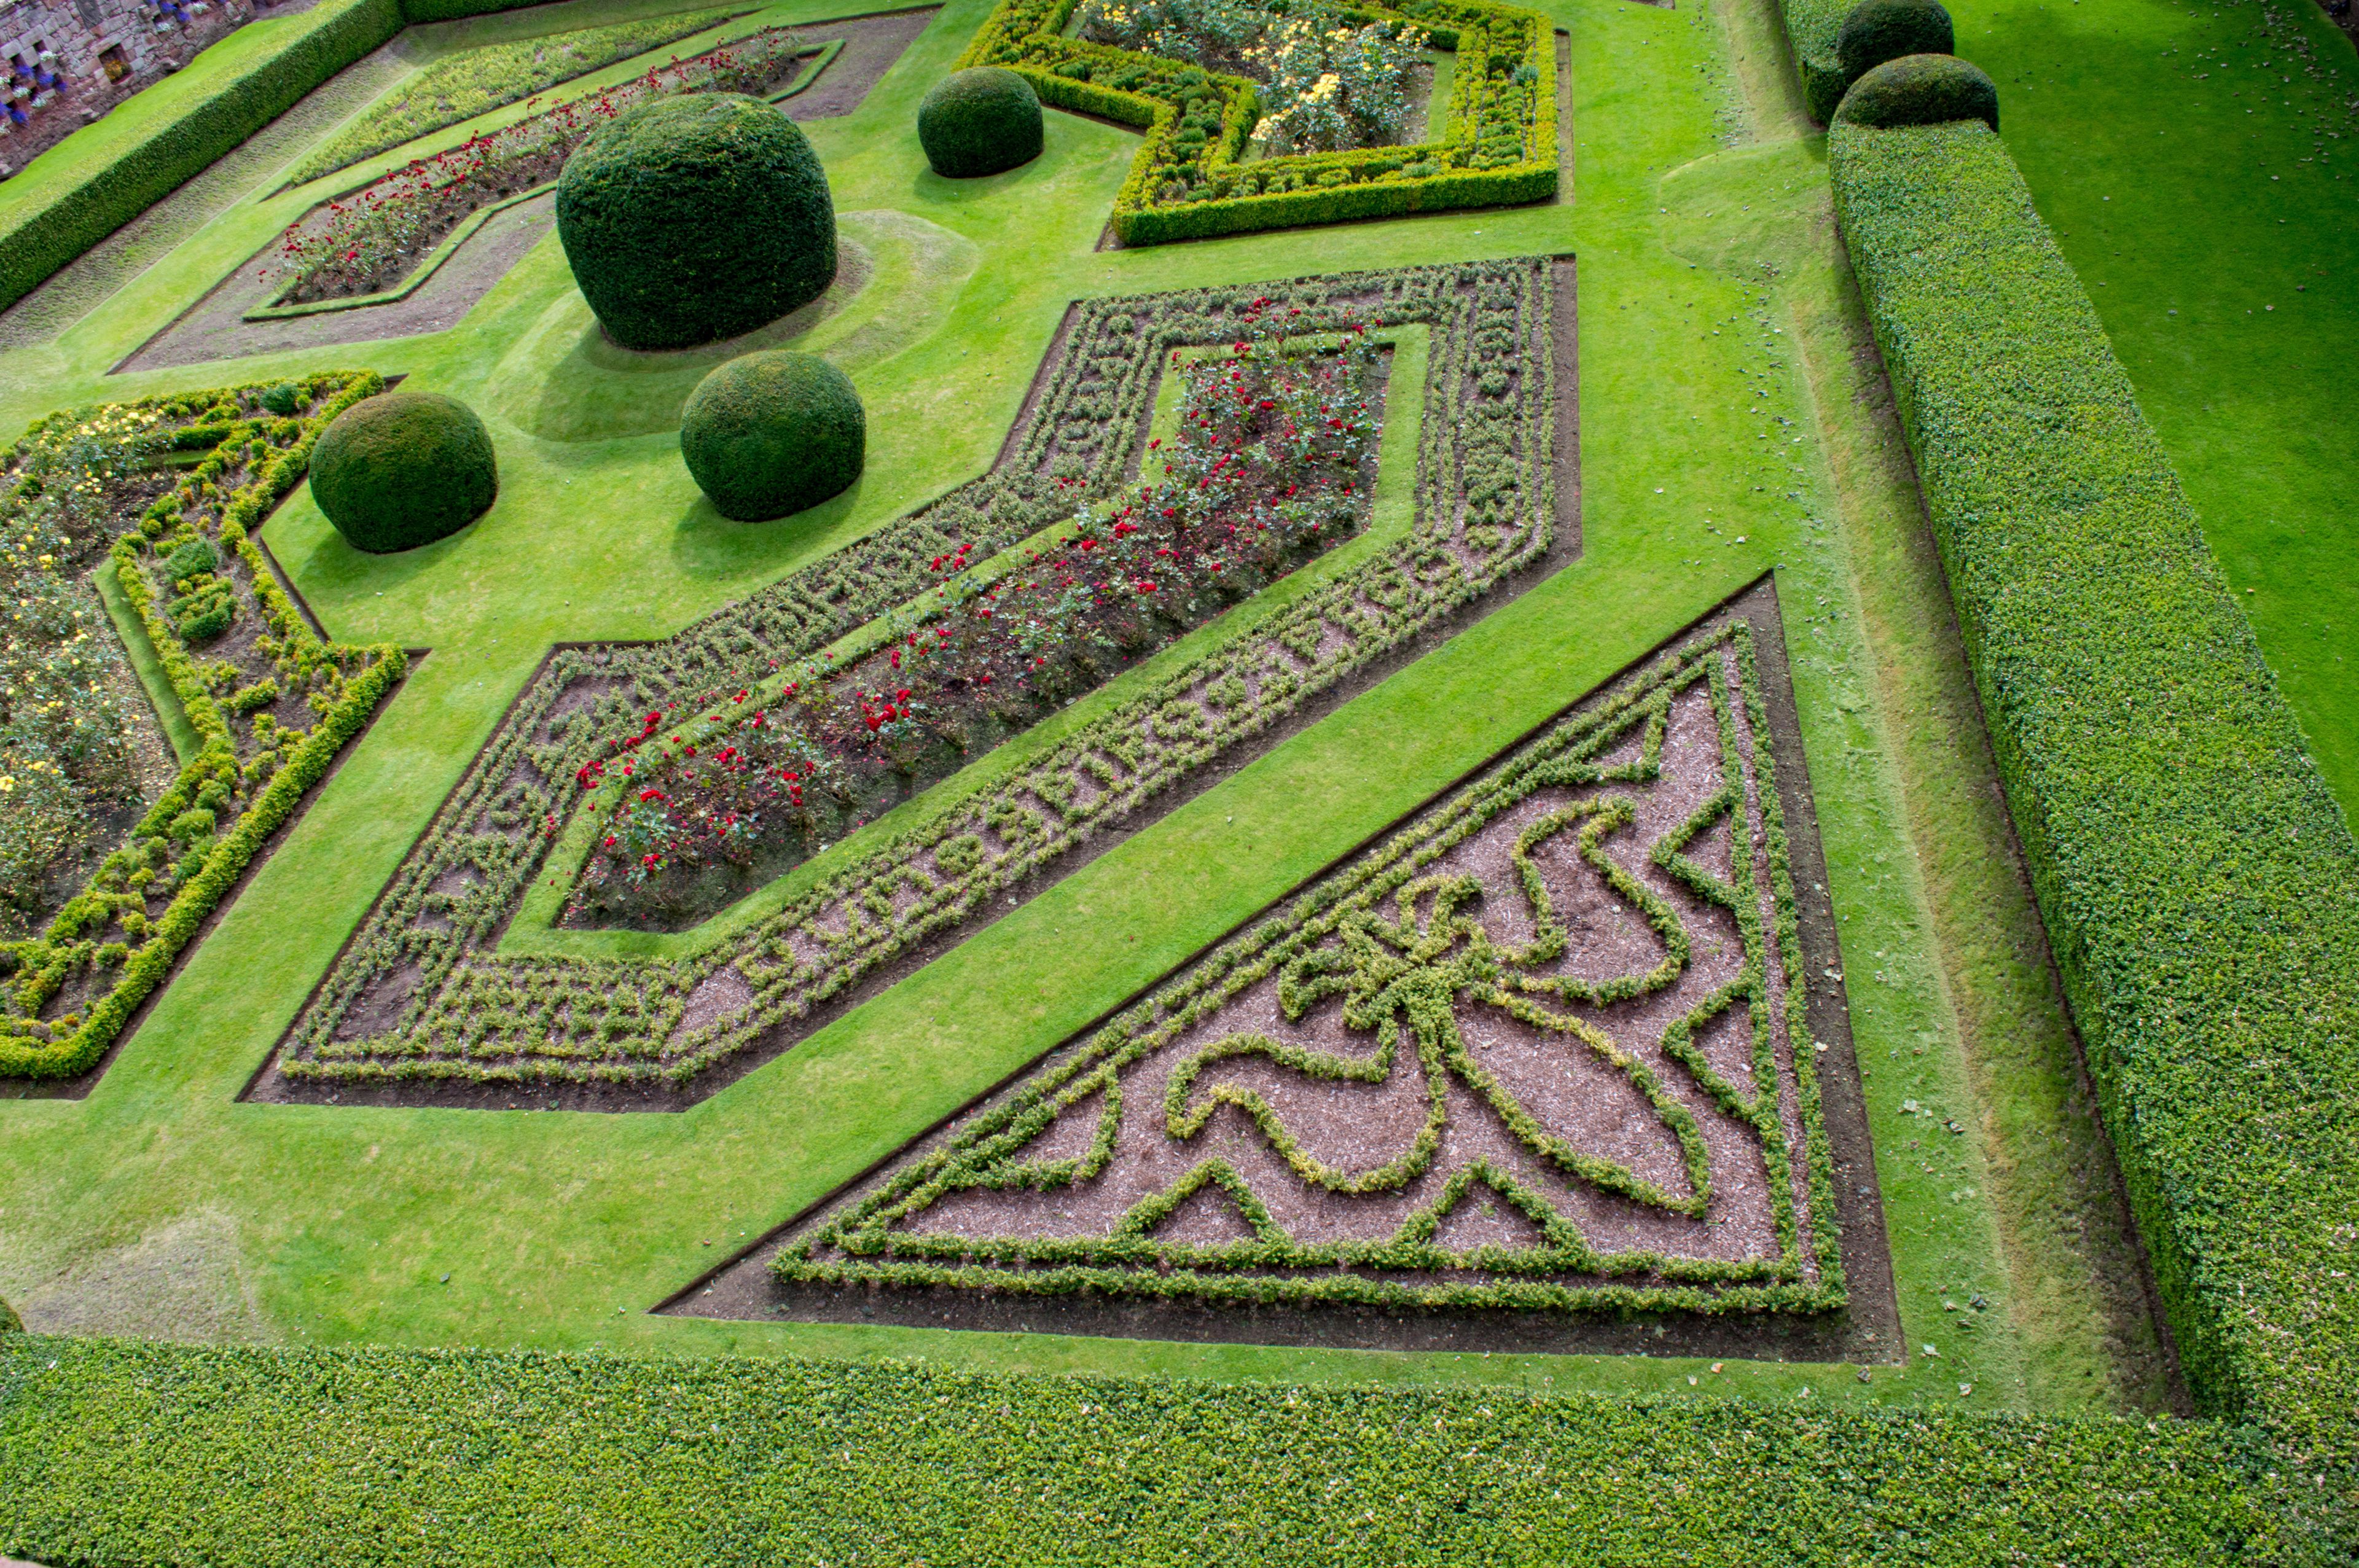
point(404, 468)
point(284, 398)
point(1879, 31)
point(10, 1322)
point(773, 433)
point(980, 122)
point(1921, 90)
point(695, 217)
point(196, 556)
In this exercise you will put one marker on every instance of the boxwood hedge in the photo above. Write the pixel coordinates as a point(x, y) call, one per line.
point(2200, 885)
point(116, 1452)
point(44, 235)
point(1814, 27)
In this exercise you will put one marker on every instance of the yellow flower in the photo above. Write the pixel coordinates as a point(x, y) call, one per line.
point(7, 785)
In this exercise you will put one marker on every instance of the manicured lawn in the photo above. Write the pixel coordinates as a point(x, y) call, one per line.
point(2212, 208)
point(1728, 427)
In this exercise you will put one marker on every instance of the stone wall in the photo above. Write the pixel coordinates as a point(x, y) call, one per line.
point(63, 63)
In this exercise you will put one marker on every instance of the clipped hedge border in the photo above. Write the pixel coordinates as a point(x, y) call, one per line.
point(121, 1452)
point(2199, 886)
point(1499, 146)
point(148, 964)
point(43, 237)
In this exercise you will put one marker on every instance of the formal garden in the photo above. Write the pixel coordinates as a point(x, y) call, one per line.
point(1179, 780)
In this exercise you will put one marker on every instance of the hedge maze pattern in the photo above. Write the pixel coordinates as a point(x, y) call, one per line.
point(1498, 144)
point(1544, 1048)
point(421, 994)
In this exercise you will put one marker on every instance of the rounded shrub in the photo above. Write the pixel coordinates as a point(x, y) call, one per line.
point(1878, 30)
point(980, 122)
point(696, 216)
point(773, 433)
point(404, 468)
point(1921, 90)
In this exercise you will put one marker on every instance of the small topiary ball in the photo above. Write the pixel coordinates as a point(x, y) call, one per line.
point(1878, 30)
point(1921, 90)
point(980, 122)
point(696, 216)
point(773, 433)
point(404, 468)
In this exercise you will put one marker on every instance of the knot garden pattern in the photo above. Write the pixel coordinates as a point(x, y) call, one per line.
point(1544, 1049)
point(423, 995)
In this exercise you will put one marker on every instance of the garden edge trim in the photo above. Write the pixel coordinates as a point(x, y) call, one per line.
point(2199, 884)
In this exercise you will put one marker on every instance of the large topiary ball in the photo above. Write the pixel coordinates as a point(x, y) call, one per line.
point(1878, 30)
point(773, 433)
point(404, 468)
point(696, 216)
point(1921, 90)
point(980, 122)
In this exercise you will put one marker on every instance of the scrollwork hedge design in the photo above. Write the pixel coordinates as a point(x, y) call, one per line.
point(422, 994)
point(1415, 948)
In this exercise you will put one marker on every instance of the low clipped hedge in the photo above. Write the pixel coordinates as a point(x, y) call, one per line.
point(773, 433)
point(2199, 886)
point(695, 217)
point(980, 122)
point(1921, 90)
point(48, 233)
point(404, 468)
point(124, 1453)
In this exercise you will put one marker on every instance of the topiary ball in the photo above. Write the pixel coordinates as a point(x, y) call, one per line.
point(1921, 90)
point(1878, 30)
point(980, 122)
point(404, 468)
point(696, 216)
point(773, 433)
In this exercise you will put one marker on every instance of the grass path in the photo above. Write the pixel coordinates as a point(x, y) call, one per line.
point(2211, 205)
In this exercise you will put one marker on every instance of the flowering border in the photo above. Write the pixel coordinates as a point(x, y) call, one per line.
point(422, 995)
point(352, 682)
point(1499, 147)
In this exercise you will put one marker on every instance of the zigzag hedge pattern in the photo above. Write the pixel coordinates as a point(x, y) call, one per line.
point(1191, 178)
point(421, 994)
point(2199, 886)
point(71, 989)
point(1408, 977)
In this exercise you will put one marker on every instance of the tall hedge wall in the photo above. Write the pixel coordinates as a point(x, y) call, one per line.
point(2200, 885)
point(1812, 28)
point(118, 1453)
point(41, 236)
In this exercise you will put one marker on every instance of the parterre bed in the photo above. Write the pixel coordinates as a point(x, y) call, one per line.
point(423, 998)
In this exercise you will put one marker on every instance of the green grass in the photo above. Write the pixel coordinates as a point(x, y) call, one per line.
point(490, 76)
point(2211, 199)
point(561, 1230)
